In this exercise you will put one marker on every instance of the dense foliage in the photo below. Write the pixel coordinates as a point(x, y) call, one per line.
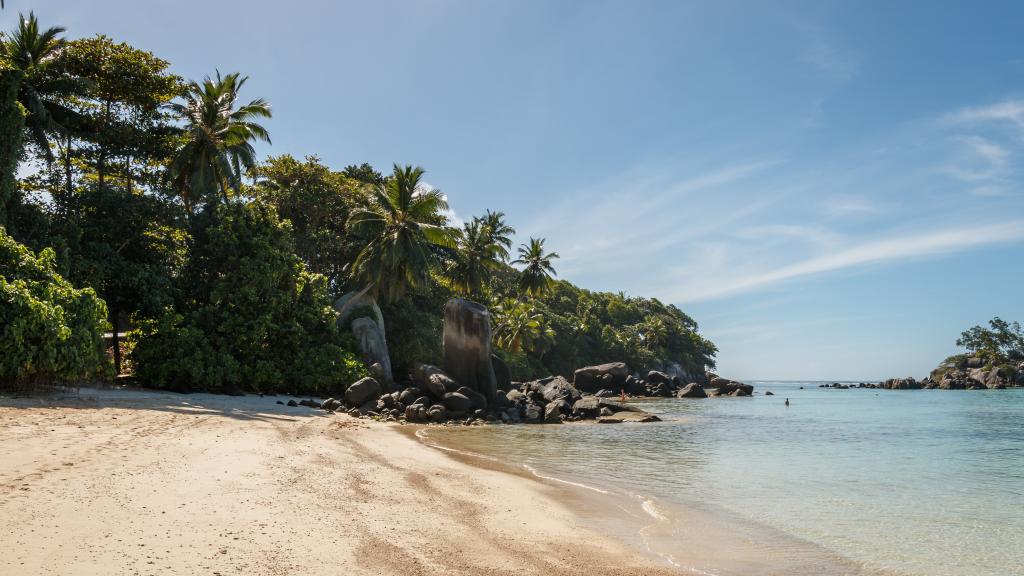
point(146, 188)
point(49, 330)
point(1001, 343)
point(250, 318)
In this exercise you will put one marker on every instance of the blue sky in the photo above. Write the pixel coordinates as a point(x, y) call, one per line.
point(832, 190)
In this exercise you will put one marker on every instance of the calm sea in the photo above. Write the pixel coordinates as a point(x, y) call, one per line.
point(860, 481)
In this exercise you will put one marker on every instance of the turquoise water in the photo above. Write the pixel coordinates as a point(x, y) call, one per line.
point(911, 482)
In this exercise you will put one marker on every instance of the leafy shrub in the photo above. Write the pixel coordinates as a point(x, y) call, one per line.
point(250, 317)
point(49, 330)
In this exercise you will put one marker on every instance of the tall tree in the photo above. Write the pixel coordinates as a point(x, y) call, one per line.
point(43, 86)
point(403, 224)
point(12, 123)
point(499, 232)
point(535, 277)
point(476, 255)
point(218, 138)
point(318, 202)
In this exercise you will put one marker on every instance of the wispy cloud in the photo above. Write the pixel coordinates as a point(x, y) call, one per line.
point(872, 252)
point(1011, 111)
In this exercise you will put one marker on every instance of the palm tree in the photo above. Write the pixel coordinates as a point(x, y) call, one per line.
point(477, 253)
point(33, 54)
point(536, 275)
point(404, 223)
point(499, 232)
point(219, 138)
point(519, 327)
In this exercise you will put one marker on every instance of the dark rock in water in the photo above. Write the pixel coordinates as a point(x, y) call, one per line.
point(553, 413)
point(281, 403)
point(476, 399)
point(363, 391)
point(769, 393)
point(309, 404)
point(587, 407)
point(293, 403)
point(532, 413)
point(593, 378)
point(618, 406)
point(605, 411)
point(692, 390)
point(502, 376)
point(456, 402)
point(628, 416)
point(560, 389)
point(726, 387)
point(901, 384)
point(656, 377)
point(331, 404)
point(467, 346)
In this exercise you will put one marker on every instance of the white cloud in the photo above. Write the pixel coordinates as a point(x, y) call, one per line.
point(871, 252)
point(1011, 111)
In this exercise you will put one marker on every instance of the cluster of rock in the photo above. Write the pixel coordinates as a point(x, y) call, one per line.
point(966, 373)
point(435, 397)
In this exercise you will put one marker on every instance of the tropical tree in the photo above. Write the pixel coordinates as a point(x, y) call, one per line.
point(404, 225)
point(477, 254)
point(535, 277)
point(34, 54)
point(218, 138)
point(498, 232)
point(519, 327)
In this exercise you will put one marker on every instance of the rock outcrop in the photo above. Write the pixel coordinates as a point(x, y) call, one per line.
point(593, 378)
point(360, 313)
point(467, 346)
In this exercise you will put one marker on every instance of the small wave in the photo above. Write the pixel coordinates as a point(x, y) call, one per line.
point(534, 471)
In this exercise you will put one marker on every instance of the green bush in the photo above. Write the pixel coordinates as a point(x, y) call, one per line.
point(250, 317)
point(49, 330)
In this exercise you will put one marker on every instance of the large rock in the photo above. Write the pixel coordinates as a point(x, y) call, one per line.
point(587, 407)
point(361, 314)
point(553, 412)
point(593, 378)
point(656, 377)
point(628, 416)
point(457, 403)
point(467, 346)
point(560, 389)
point(502, 375)
point(363, 391)
point(692, 390)
point(476, 399)
point(726, 387)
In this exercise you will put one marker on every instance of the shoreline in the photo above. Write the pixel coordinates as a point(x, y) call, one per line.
point(116, 481)
point(690, 537)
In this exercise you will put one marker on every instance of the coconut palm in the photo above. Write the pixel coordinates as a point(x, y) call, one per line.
point(404, 225)
point(33, 53)
point(535, 278)
point(518, 327)
point(476, 254)
point(218, 138)
point(499, 232)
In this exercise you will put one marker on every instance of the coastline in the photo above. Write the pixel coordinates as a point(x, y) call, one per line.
point(121, 481)
point(688, 536)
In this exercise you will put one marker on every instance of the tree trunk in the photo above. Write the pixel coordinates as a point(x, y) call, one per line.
point(117, 342)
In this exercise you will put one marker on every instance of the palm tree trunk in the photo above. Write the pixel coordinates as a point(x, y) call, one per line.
point(117, 341)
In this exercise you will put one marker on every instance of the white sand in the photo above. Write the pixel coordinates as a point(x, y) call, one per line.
point(132, 482)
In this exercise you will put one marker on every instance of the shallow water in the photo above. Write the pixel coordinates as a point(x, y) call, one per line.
point(908, 482)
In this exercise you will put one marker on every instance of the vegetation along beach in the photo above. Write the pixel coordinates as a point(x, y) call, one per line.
point(412, 288)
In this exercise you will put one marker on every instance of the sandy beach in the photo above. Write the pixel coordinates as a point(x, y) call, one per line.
point(137, 482)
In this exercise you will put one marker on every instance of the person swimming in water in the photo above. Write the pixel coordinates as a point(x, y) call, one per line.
point(787, 401)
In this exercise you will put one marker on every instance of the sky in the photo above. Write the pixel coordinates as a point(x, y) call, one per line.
point(833, 190)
